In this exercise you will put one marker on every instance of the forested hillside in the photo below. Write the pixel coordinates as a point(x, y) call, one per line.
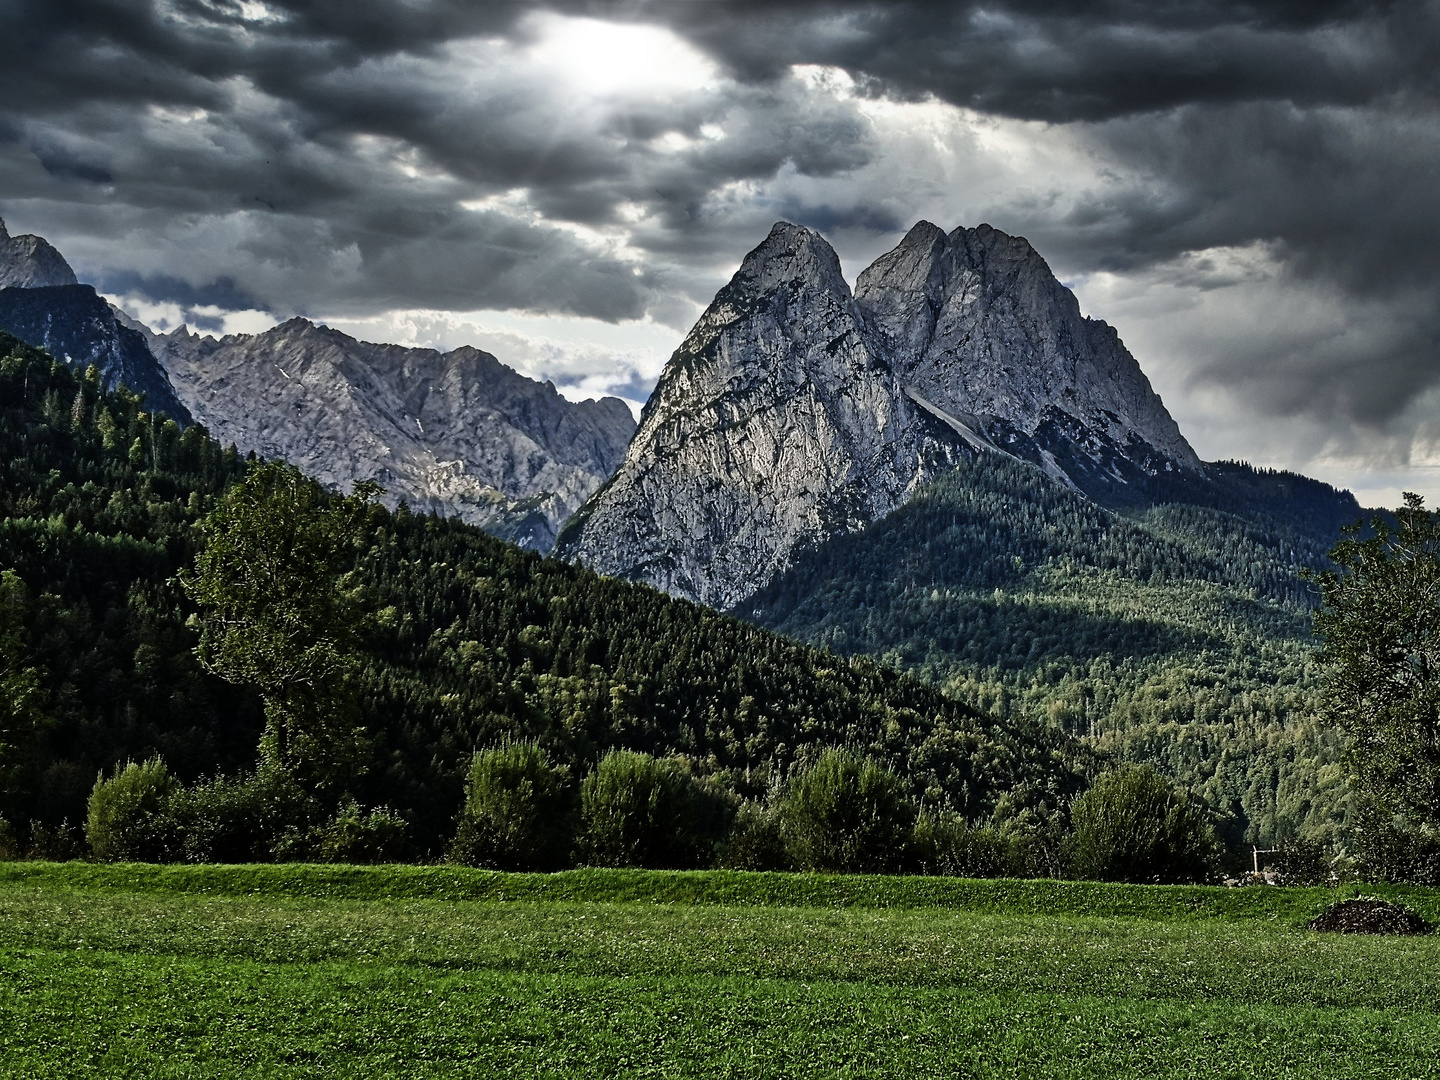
point(471, 641)
point(1179, 635)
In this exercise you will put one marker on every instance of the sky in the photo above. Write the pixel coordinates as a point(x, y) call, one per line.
point(1249, 192)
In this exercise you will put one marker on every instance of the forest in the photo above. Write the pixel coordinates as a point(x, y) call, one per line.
point(1177, 635)
point(467, 642)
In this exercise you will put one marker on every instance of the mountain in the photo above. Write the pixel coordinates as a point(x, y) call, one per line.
point(29, 262)
point(795, 411)
point(454, 433)
point(1178, 636)
point(978, 330)
point(76, 325)
point(477, 642)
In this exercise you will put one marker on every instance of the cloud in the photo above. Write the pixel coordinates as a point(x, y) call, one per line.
point(1245, 189)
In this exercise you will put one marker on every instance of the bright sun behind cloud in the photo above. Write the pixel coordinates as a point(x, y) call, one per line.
point(618, 59)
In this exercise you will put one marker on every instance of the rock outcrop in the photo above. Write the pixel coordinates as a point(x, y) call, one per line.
point(976, 325)
point(29, 262)
point(454, 433)
point(795, 411)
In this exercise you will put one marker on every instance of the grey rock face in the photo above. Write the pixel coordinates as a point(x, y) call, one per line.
point(776, 423)
point(977, 324)
point(794, 411)
point(454, 433)
point(29, 262)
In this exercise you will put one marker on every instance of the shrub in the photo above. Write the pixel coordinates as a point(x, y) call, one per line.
point(1133, 825)
point(951, 848)
point(1301, 860)
point(847, 814)
point(128, 817)
point(1390, 848)
point(9, 844)
point(518, 812)
point(755, 841)
point(253, 817)
point(55, 843)
point(638, 810)
point(354, 836)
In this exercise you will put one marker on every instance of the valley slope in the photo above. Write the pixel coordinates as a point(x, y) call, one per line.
point(956, 471)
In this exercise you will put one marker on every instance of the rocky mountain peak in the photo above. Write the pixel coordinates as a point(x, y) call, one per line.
point(795, 410)
point(774, 424)
point(29, 262)
point(975, 322)
point(793, 254)
point(456, 433)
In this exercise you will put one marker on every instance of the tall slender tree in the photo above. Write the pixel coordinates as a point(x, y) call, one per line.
point(277, 615)
point(1380, 622)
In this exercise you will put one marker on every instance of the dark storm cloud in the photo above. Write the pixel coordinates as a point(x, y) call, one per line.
point(348, 149)
point(1311, 128)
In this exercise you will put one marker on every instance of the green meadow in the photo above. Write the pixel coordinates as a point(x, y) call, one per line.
point(298, 971)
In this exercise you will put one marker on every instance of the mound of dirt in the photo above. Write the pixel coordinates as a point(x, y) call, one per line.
point(1364, 915)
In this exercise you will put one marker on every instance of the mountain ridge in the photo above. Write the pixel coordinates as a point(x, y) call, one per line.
point(795, 410)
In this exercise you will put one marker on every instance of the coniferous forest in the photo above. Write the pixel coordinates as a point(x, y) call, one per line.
point(466, 642)
point(1178, 635)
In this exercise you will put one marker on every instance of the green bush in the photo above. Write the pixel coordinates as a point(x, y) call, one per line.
point(518, 812)
point(1391, 848)
point(948, 847)
point(253, 817)
point(1302, 860)
point(755, 841)
point(9, 844)
point(1133, 825)
point(638, 810)
point(355, 836)
point(847, 814)
point(129, 816)
point(56, 843)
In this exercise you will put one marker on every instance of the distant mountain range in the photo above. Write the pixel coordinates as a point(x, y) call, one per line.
point(456, 433)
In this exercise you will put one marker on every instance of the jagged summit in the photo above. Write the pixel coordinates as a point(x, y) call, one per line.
point(29, 262)
point(977, 323)
point(795, 410)
point(456, 433)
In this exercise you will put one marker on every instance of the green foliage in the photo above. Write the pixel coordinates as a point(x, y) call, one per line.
point(274, 614)
point(245, 817)
point(9, 842)
point(1133, 825)
point(1381, 627)
point(638, 810)
point(756, 840)
point(473, 642)
point(354, 835)
point(1302, 860)
point(21, 698)
point(847, 814)
point(1178, 636)
point(519, 812)
point(1392, 847)
point(95, 543)
point(129, 816)
point(950, 847)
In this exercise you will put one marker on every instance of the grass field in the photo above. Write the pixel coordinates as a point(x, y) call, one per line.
point(426, 972)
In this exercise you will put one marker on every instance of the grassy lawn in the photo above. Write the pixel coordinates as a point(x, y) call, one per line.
point(418, 972)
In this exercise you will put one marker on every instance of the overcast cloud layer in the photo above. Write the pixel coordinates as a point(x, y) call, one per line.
point(1247, 191)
